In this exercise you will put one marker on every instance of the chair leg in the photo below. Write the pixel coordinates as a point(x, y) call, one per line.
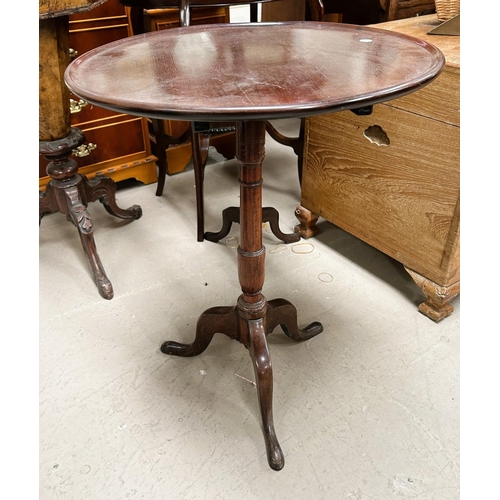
point(161, 154)
point(300, 149)
point(317, 10)
point(253, 13)
point(199, 143)
point(296, 143)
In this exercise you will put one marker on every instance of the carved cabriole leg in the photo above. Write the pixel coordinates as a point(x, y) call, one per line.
point(104, 189)
point(81, 218)
point(307, 227)
point(64, 194)
point(214, 320)
point(229, 215)
point(283, 313)
point(70, 193)
point(437, 306)
point(269, 214)
point(71, 197)
point(259, 352)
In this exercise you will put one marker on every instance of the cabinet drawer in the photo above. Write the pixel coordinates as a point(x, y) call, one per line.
point(402, 198)
point(160, 19)
point(88, 112)
point(121, 133)
point(85, 35)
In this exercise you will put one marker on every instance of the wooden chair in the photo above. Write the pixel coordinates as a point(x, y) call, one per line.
point(201, 132)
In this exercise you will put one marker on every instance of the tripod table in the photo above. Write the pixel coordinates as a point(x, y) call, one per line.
point(251, 73)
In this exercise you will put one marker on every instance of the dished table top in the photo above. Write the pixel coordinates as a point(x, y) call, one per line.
point(252, 71)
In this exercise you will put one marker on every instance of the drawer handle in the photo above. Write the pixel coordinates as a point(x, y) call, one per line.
point(84, 149)
point(76, 107)
point(376, 135)
point(73, 53)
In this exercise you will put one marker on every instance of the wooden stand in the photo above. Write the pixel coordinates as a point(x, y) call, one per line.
point(254, 317)
point(67, 191)
point(70, 193)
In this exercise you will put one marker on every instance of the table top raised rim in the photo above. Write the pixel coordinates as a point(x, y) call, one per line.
point(167, 107)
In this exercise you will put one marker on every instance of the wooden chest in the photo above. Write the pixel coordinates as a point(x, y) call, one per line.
point(402, 196)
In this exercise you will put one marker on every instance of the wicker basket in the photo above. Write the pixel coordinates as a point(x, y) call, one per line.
point(446, 9)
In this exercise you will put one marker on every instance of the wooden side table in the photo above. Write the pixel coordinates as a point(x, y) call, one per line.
point(258, 72)
point(68, 192)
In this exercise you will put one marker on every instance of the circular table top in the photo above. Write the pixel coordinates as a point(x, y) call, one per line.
point(255, 71)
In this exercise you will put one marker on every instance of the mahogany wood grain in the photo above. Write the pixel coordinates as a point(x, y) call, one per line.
point(257, 72)
point(264, 78)
point(171, 139)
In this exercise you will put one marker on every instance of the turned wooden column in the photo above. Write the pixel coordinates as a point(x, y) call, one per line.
point(250, 140)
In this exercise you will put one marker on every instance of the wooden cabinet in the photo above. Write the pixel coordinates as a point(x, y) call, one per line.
point(403, 196)
point(117, 145)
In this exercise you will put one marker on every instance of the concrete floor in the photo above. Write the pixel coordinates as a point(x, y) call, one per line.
point(369, 409)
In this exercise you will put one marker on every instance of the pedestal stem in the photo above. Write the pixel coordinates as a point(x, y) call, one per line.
point(250, 140)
